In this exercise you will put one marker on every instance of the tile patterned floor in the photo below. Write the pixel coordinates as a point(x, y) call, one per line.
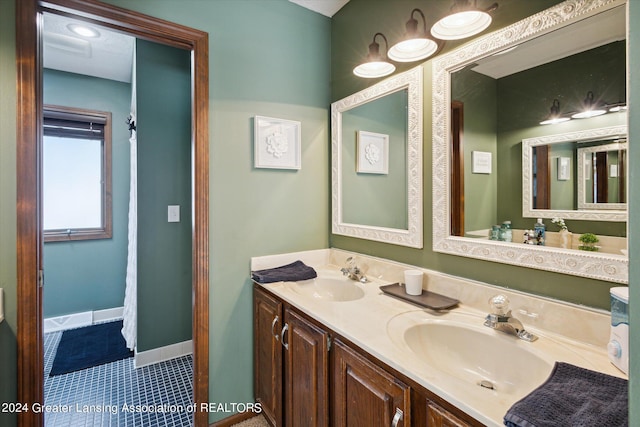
point(116, 394)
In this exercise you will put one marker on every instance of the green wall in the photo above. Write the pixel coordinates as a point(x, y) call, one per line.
point(163, 92)
point(268, 58)
point(87, 275)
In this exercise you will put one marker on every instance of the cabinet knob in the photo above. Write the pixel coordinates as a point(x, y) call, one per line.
point(397, 417)
point(273, 325)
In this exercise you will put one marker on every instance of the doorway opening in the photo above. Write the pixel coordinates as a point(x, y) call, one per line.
point(29, 175)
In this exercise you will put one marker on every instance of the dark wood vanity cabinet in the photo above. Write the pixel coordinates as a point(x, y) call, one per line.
point(291, 365)
point(301, 380)
point(440, 417)
point(306, 372)
point(365, 395)
point(267, 376)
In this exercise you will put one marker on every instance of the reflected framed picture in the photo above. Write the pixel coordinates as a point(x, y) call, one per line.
point(373, 153)
point(564, 168)
point(276, 143)
point(481, 162)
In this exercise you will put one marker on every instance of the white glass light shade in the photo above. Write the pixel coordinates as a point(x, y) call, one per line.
point(555, 120)
point(618, 108)
point(412, 50)
point(589, 113)
point(461, 25)
point(371, 70)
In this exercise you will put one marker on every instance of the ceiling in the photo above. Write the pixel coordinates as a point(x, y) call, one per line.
point(108, 56)
point(325, 7)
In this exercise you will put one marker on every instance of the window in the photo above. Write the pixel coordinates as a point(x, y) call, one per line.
point(76, 174)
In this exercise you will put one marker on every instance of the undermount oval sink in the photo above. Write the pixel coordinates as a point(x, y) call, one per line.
point(333, 288)
point(475, 354)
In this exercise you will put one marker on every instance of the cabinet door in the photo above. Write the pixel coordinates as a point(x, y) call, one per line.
point(267, 315)
point(440, 417)
point(306, 373)
point(365, 394)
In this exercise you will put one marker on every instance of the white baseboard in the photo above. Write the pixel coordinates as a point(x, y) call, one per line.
point(157, 355)
point(77, 320)
point(108, 314)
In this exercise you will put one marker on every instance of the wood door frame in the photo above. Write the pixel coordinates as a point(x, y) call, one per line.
point(28, 146)
point(542, 177)
point(457, 168)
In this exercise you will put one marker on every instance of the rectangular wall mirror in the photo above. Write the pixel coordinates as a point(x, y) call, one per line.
point(505, 85)
point(376, 161)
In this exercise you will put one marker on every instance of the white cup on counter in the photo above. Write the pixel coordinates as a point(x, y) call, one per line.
point(413, 282)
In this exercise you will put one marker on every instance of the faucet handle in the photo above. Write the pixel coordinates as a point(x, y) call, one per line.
point(499, 305)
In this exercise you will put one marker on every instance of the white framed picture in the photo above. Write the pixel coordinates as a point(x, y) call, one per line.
point(276, 143)
point(373, 153)
point(564, 168)
point(481, 162)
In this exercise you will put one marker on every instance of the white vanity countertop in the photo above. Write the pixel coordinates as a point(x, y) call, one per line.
point(366, 323)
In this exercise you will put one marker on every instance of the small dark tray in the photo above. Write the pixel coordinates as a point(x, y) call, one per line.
point(427, 299)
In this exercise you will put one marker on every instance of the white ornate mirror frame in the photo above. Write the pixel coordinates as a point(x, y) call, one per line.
point(582, 178)
point(410, 80)
point(613, 268)
point(617, 212)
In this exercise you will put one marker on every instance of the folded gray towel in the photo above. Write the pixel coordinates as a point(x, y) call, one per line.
point(573, 396)
point(288, 273)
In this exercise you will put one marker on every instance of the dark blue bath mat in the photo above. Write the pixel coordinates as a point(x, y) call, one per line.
point(90, 346)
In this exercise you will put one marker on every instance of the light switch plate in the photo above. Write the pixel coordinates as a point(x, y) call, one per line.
point(173, 213)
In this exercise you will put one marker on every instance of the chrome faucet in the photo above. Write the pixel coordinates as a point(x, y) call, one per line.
point(500, 319)
point(353, 271)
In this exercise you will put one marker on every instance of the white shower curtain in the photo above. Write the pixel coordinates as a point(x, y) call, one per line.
point(130, 324)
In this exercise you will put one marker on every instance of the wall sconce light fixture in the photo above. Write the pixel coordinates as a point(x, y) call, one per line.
point(465, 20)
point(590, 108)
point(554, 115)
point(376, 64)
point(416, 44)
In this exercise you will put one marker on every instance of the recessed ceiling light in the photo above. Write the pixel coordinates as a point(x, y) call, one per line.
point(83, 30)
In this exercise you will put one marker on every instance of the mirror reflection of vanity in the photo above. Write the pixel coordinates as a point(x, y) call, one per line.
point(593, 186)
point(505, 83)
point(376, 161)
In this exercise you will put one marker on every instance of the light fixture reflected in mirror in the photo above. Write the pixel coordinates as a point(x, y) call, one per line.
point(590, 108)
point(415, 44)
point(464, 20)
point(83, 30)
point(554, 115)
point(618, 107)
point(376, 64)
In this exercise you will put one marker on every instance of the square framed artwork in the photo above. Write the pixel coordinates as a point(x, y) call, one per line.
point(564, 168)
point(276, 143)
point(373, 153)
point(481, 162)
